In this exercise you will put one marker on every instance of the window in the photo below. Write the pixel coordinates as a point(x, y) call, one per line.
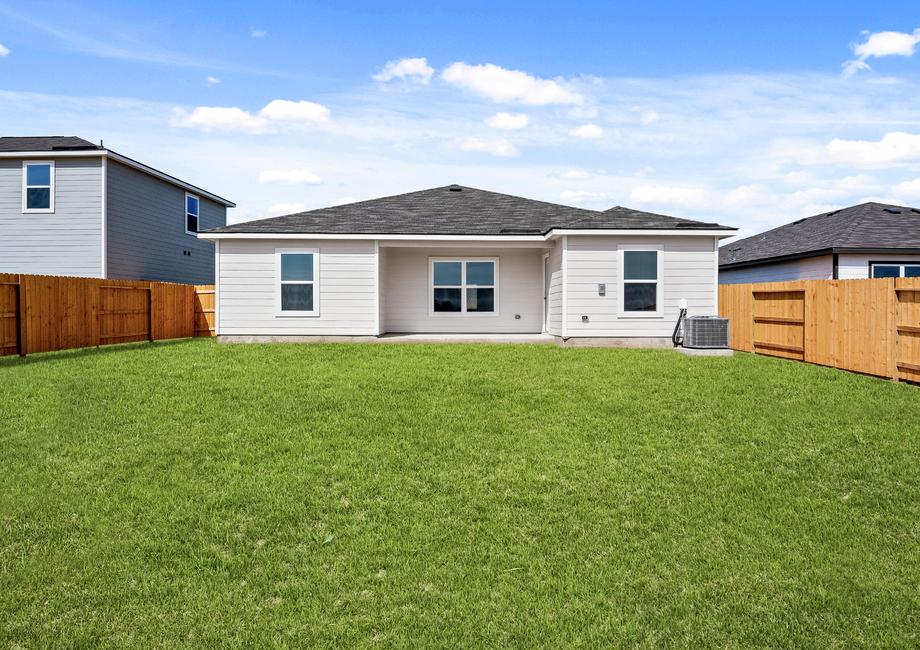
point(298, 293)
point(640, 284)
point(38, 186)
point(191, 214)
point(464, 286)
point(895, 269)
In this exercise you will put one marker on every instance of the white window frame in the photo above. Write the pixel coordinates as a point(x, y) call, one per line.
point(25, 187)
point(900, 266)
point(185, 214)
point(315, 282)
point(463, 313)
point(622, 281)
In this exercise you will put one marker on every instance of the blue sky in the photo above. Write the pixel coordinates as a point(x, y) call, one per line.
point(750, 115)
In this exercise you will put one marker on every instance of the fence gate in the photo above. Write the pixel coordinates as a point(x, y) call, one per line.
point(779, 322)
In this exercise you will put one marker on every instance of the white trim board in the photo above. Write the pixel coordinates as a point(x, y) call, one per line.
point(552, 234)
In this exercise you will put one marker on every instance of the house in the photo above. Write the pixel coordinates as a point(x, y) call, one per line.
point(459, 260)
point(870, 240)
point(69, 207)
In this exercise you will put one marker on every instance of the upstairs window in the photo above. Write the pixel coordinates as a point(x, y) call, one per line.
point(191, 214)
point(640, 287)
point(298, 292)
point(38, 186)
point(896, 270)
point(464, 286)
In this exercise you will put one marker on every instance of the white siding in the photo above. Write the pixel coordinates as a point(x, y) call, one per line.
point(855, 266)
point(810, 268)
point(249, 289)
point(520, 287)
point(689, 272)
point(555, 289)
point(65, 242)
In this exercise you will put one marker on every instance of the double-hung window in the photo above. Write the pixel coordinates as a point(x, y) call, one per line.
point(38, 186)
point(895, 270)
point(192, 205)
point(298, 290)
point(640, 280)
point(464, 286)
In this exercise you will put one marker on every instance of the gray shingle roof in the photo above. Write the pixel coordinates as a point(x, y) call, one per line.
point(868, 226)
point(45, 143)
point(454, 210)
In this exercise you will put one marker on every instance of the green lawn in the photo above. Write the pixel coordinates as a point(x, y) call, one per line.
point(190, 493)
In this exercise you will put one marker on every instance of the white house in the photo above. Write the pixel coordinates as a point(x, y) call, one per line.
point(458, 260)
point(870, 240)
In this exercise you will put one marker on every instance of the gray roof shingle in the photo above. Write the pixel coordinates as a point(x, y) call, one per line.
point(868, 226)
point(455, 210)
point(45, 143)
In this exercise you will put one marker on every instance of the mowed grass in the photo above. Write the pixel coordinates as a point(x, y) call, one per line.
point(194, 494)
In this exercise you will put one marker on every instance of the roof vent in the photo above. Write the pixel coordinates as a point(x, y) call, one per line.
point(891, 211)
point(829, 214)
point(915, 210)
point(794, 223)
point(455, 188)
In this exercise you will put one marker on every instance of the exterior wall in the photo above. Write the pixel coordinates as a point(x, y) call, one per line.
point(810, 268)
point(689, 272)
point(855, 266)
point(248, 289)
point(65, 242)
point(146, 238)
point(555, 290)
point(520, 292)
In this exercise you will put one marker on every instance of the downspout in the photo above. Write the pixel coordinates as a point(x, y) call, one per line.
point(565, 287)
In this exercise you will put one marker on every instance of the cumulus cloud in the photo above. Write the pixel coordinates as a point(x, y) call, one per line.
point(501, 148)
point(221, 118)
point(414, 70)
point(289, 177)
point(587, 131)
point(892, 149)
point(4, 51)
point(289, 111)
point(881, 44)
point(684, 197)
point(212, 81)
point(509, 86)
point(508, 121)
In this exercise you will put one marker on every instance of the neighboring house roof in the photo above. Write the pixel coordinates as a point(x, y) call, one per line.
point(72, 145)
point(868, 227)
point(455, 210)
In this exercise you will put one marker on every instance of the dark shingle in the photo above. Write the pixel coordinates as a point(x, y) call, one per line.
point(864, 226)
point(45, 143)
point(455, 210)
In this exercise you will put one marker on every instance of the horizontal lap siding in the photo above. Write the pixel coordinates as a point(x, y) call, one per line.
point(249, 289)
point(520, 287)
point(852, 266)
point(65, 242)
point(689, 273)
point(810, 268)
point(555, 290)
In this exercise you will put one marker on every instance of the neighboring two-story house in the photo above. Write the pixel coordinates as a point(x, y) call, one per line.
point(70, 207)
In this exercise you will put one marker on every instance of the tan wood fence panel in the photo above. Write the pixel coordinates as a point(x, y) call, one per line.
point(44, 313)
point(204, 310)
point(866, 326)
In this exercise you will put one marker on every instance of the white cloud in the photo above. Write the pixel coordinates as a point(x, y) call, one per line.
point(893, 148)
point(503, 85)
point(685, 197)
point(881, 44)
point(279, 209)
point(220, 118)
point(212, 81)
point(4, 51)
point(582, 196)
point(289, 111)
point(574, 175)
point(508, 121)
point(289, 177)
point(587, 131)
point(501, 148)
point(414, 70)
point(649, 117)
point(257, 33)
point(345, 200)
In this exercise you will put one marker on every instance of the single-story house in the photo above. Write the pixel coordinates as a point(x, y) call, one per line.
point(870, 240)
point(459, 260)
point(71, 207)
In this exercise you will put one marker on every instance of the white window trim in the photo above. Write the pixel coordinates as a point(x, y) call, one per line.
point(463, 313)
point(622, 281)
point(297, 314)
point(25, 173)
point(185, 214)
point(900, 266)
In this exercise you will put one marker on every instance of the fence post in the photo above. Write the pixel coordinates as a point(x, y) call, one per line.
point(893, 334)
point(20, 319)
point(150, 311)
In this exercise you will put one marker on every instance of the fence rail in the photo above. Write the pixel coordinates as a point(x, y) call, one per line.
point(41, 313)
point(867, 326)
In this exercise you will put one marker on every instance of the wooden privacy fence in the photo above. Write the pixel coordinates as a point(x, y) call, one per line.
point(41, 313)
point(867, 326)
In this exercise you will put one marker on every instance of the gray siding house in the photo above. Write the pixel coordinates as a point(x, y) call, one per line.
point(69, 207)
